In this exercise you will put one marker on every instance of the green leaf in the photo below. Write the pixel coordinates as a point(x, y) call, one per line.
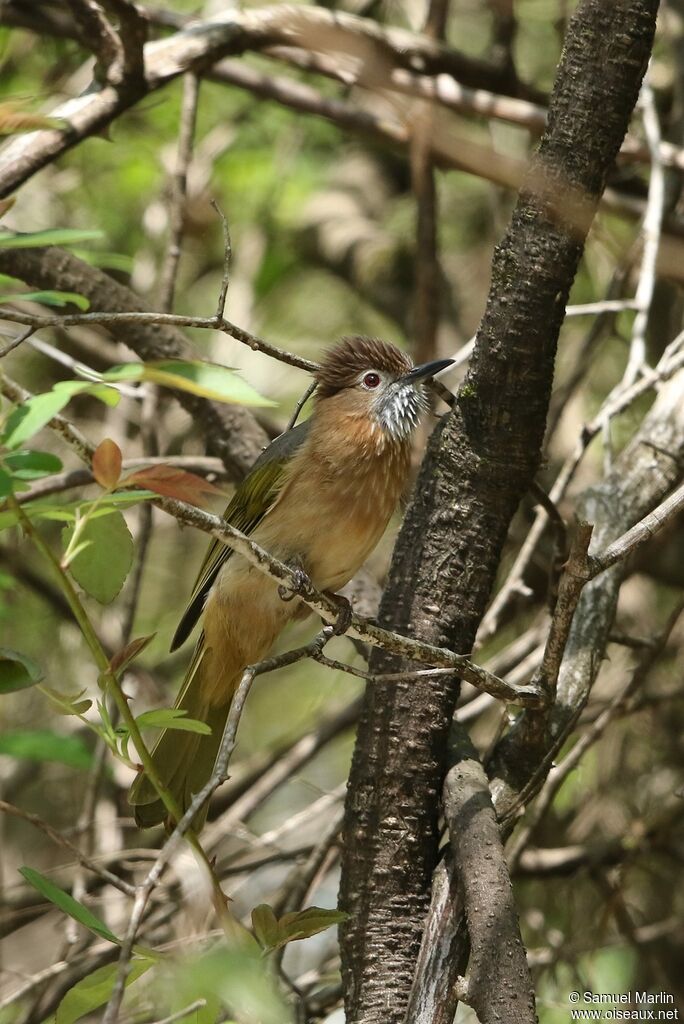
point(210, 380)
point(50, 298)
point(95, 989)
point(265, 926)
point(30, 465)
point(17, 672)
point(106, 260)
point(101, 568)
point(53, 236)
point(304, 923)
point(30, 417)
point(43, 745)
point(68, 904)
point(37, 510)
point(106, 394)
point(67, 703)
point(172, 718)
point(6, 484)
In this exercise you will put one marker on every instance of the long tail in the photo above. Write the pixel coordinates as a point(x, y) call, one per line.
point(185, 760)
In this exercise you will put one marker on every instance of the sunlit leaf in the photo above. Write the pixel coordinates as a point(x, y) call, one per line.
point(50, 298)
point(17, 672)
point(101, 569)
point(108, 395)
point(95, 989)
point(210, 380)
point(43, 745)
point(53, 236)
point(31, 416)
point(173, 483)
point(172, 718)
point(107, 260)
point(107, 461)
point(68, 904)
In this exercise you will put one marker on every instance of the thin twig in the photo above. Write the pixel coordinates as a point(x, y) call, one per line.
point(593, 733)
point(16, 342)
point(671, 360)
point(60, 840)
point(179, 184)
point(301, 402)
point(212, 323)
point(227, 260)
point(639, 534)
point(184, 823)
point(185, 1012)
point(575, 577)
point(206, 465)
point(651, 233)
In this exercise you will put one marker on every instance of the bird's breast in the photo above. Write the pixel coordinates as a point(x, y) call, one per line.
point(329, 521)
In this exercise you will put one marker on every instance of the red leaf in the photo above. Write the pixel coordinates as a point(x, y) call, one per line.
point(173, 483)
point(122, 659)
point(107, 464)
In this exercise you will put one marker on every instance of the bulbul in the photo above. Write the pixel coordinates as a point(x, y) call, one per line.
point(319, 497)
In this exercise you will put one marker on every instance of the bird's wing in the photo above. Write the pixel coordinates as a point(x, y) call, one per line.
point(251, 501)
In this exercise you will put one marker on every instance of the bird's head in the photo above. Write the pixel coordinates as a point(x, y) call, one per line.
point(372, 378)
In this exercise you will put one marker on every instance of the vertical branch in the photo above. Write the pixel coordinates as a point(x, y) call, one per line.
point(178, 191)
point(167, 289)
point(424, 185)
point(499, 983)
point(651, 231)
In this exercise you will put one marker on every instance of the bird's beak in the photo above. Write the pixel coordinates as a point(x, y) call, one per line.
point(424, 371)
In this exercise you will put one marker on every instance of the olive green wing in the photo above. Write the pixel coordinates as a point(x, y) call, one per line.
point(251, 501)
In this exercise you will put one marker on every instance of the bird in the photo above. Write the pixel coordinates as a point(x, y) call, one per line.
point(318, 498)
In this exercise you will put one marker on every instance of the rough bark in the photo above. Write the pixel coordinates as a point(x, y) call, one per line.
point(480, 462)
point(231, 432)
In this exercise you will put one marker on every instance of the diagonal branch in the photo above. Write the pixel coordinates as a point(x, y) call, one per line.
point(231, 432)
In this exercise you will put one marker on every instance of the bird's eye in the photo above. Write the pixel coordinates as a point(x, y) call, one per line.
point(371, 380)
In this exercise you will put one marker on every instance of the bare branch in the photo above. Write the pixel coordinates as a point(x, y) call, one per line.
point(651, 234)
point(639, 534)
point(66, 844)
point(179, 184)
point(298, 584)
point(219, 775)
point(576, 575)
point(231, 432)
point(227, 258)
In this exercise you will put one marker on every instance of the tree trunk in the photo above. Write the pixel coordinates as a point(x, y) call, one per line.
point(480, 462)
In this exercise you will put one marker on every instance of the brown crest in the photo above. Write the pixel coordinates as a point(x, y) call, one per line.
point(351, 356)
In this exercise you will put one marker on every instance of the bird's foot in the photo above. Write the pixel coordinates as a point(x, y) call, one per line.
point(299, 584)
point(344, 613)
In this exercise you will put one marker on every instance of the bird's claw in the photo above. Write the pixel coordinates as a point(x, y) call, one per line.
point(344, 614)
point(297, 586)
